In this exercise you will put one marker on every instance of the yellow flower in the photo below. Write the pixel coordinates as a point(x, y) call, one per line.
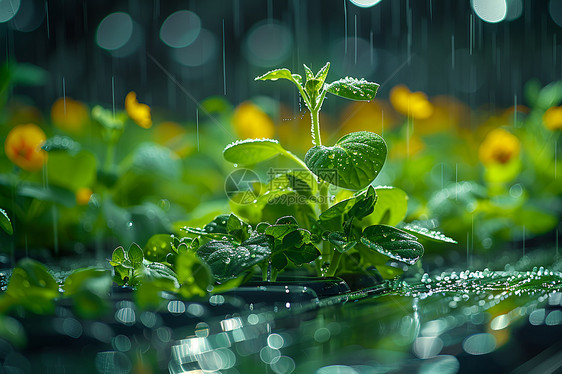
point(69, 115)
point(499, 147)
point(173, 136)
point(250, 122)
point(23, 147)
point(412, 104)
point(374, 116)
point(552, 118)
point(404, 149)
point(447, 115)
point(140, 113)
point(83, 195)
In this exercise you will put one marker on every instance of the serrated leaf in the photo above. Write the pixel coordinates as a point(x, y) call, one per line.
point(353, 162)
point(252, 151)
point(228, 259)
point(427, 233)
point(353, 89)
point(135, 255)
point(5, 222)
point(393, 243)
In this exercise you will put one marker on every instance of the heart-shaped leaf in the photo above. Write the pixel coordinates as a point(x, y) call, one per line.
point(135, 254)
point(353, 162)
point(392, 242)
point(252, 151)
point(353, 89)
point(228, 259)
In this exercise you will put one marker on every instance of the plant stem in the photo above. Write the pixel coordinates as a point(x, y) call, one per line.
point(334, 263)
point(315, 126)
point(109, 156)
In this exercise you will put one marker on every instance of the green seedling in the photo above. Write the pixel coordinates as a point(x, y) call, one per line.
point(294, 220)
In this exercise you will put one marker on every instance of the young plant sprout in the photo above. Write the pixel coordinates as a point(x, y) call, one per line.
point(294, 222)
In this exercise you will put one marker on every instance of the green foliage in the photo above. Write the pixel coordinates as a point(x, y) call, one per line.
point(353, 162)
point(393, 243)
point(252, 151)
point(71, 171)
point(5, 222)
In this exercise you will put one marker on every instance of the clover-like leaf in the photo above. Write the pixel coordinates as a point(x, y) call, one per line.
point(353, 89)
point(252, 151)
point(393, 243)
point(5, 222)
point(228, 259)
point(353, 162)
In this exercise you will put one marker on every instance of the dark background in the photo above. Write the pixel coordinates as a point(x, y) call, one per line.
point(412, 42)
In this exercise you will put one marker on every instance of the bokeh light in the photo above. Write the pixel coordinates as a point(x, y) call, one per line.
point(514, 9)
point(8, 9)
point(119, 34)
point(180, 29)
point(268, 44)
point(555, 11)
point(199, 52)
point(365, 3)
point(491, 11)
point(29, 17)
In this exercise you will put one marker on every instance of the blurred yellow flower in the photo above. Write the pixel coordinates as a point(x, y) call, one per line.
point(499, 147)
point(140, 113)
point(289, 125)
point(83, 195)
point(69, 115)
point(552, 118)
point(447, 115)
point(411, 104)
point(250, 122)
point(375, 116)
point(173, 136)
point(23, 147)
point(405, 149)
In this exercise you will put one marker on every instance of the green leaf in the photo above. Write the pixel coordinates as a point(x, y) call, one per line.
point(156, 161)
point(53, 194)
point(158, 247)
point(252, 151)
point(61, 143)
point(353, 162)
point(148, 293)
point(391, 207)
point(358, 206)
point(194, 276)
point(217, 225)
point(228, 259)
point(308, 73)
point(340, 241)
point(72, 171)
point(392, 242)
point(33, 286)
point(107, 118)
point(297, 247)
point(5, 222)
point(353, 89)
point(135, 255)
point(149, 271)
point(238, 228)
point(88, 289)
point(323, 73)
point(427, 233)
point(29, 75)
point(273, 75)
